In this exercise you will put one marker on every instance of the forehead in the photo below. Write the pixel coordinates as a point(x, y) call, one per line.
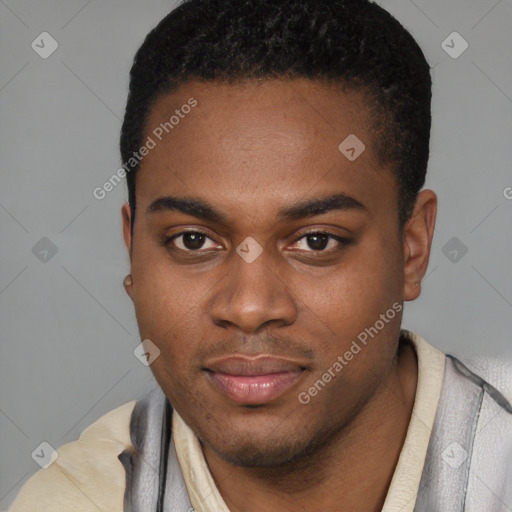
point(246, 114)
point(262, 142)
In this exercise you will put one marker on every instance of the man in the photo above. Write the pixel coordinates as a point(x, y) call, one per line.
point(275, 152)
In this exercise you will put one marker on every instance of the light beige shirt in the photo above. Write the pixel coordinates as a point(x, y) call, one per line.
point(87, 476)
point(403, 489)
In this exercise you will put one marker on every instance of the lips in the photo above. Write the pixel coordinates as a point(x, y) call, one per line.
point(253, 380)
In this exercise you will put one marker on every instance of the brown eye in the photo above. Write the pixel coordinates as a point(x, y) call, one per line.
point(319, 241)
point(190, 241)
point(193, 241)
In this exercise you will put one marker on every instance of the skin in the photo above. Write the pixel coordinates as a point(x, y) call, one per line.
point(250, 150)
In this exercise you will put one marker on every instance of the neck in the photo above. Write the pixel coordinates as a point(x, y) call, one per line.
point(352, 472)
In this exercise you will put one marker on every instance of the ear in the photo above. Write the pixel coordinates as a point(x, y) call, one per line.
point(126, 214)
point(417, 237)
point(127, 235)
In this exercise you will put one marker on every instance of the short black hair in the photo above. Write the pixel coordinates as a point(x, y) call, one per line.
point(354, 43)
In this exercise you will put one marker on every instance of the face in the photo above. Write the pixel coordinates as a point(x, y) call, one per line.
point(260, 253)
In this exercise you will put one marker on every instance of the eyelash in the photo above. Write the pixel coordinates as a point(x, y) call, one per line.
point(343, 242)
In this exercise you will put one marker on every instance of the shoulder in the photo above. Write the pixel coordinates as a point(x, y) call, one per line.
point(87, 474)
point(490, 476)
point(496, 372)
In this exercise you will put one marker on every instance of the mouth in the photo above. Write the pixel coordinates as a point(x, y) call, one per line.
point(253, 380)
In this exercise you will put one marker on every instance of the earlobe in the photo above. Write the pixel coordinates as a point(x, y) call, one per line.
point(418, 234)
point(128, 285)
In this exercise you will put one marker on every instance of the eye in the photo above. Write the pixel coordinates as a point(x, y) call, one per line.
point(312, 242)
point(190, 241)
point(319, 241)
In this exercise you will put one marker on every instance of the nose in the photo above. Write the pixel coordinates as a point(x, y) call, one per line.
point(252, 296)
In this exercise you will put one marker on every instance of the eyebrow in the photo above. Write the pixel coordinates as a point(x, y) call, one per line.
point(302, 209)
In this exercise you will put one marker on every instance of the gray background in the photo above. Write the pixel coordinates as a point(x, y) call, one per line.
point(68, 329)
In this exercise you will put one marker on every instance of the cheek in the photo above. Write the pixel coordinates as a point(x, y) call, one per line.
point(167, 308)
point(162, 295)
point(358, 290)
point(348, 304)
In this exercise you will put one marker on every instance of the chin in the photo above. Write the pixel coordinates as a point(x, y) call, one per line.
point(252, 455)
point(254, 451)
